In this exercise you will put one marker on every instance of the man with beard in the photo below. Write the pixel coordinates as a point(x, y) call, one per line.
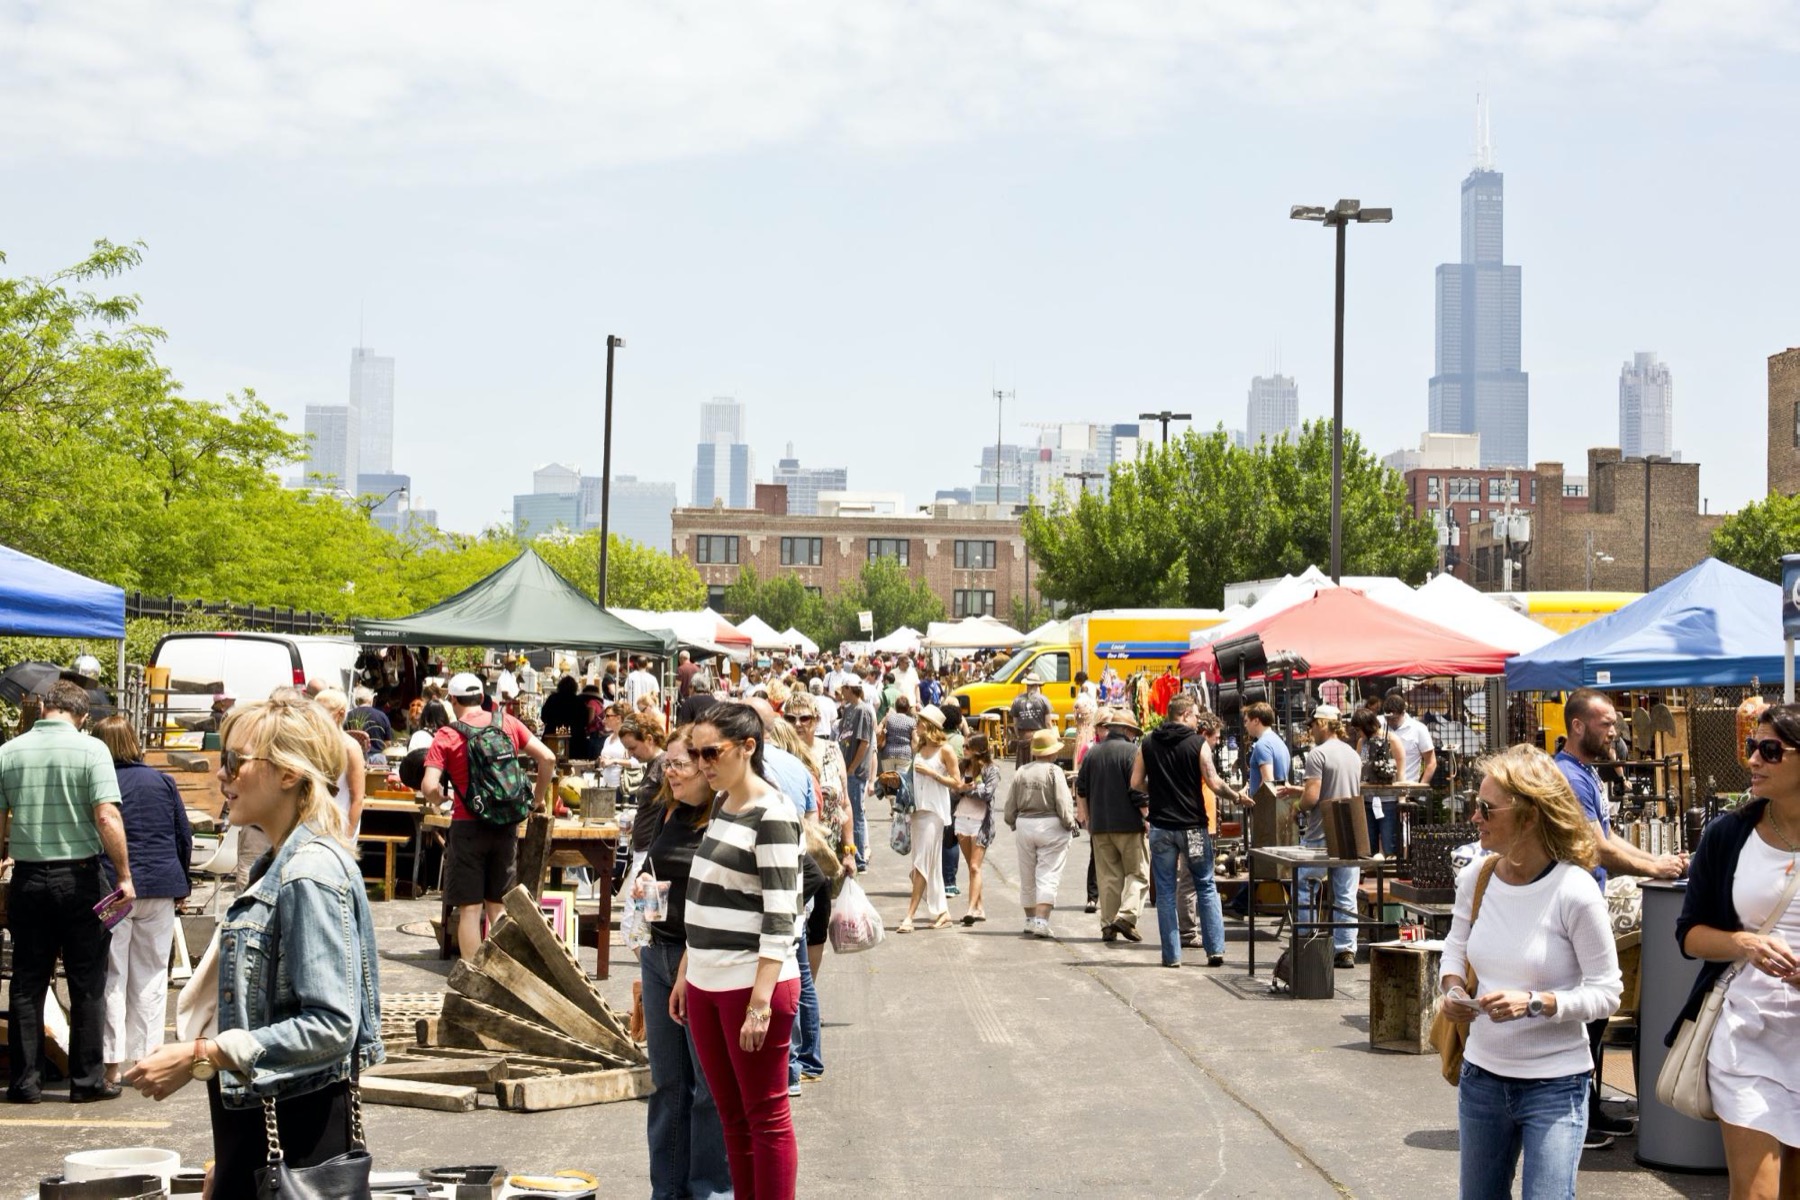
point(1592, 724)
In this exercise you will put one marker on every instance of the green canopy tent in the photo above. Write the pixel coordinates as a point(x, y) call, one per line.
point(523, 604)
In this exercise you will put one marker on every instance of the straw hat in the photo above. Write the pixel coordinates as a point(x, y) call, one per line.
point(1045, 743)
point(1031, 679)
point(1119, 718)
point(932, 713)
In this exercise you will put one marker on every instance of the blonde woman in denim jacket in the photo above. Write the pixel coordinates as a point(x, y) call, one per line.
point(298, 985)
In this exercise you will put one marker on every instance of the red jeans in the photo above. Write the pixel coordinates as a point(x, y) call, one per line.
point(750, 1089)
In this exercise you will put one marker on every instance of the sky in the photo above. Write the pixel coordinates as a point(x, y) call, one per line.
point(860, 220)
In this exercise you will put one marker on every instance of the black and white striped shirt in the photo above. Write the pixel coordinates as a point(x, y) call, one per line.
point(743, 895)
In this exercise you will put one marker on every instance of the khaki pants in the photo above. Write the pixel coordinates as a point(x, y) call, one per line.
point(1123, 874)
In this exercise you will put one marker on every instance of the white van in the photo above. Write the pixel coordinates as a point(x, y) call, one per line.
point(247, 666)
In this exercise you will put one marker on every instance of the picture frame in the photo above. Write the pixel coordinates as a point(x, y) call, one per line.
point(558, 908)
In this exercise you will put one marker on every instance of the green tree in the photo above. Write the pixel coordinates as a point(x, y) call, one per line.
point(1755, 537)
point(885, 589)
point(1184, 520)
point(784, 602)
point(637, 576)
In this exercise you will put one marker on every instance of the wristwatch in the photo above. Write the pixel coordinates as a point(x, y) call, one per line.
point(203, 1068)
point(1534, 1004)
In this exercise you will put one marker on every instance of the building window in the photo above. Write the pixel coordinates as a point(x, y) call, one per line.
point(716, 549)
point(972, 603)
point(898, 549)
point(802, 552)
point(715, 597)
point(1498, 489)
point(1433, 488)
point(1465, 488)
point(975, 556)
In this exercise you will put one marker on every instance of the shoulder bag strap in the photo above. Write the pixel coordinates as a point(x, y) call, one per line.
point(1481, 882)
point(1773, 919)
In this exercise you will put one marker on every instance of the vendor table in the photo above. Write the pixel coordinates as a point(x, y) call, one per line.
point(1277, 857)
point(388, 815)
point(598, 844)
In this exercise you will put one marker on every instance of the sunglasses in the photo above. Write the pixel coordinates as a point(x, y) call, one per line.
point(799, 720)
point(1770, 750)
point(233, 761)
point(710, 754)
point(1487, 809)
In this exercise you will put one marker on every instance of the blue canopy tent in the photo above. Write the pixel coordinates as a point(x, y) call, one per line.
point(38, 599)
point(1713, 625)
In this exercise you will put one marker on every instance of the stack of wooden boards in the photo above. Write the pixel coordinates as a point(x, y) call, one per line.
point(522, 1020)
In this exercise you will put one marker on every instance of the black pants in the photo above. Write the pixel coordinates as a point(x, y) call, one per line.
point(51, 913)
point(314, 1127)
point(1596, 1046)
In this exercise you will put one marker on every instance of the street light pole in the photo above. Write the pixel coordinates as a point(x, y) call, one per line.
point(1165, 416)
point(1650, 460)
point(612, 343)
point(1000, 399)
point(1339, 216)
point(1084, 476)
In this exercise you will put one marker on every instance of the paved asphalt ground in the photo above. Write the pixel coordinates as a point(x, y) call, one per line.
point(975, 1062)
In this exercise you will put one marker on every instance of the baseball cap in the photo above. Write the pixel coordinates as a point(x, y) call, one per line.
point(464, 685)
point(1327, 712)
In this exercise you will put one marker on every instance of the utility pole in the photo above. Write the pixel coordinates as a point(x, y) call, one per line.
point(1084, 476)
point(612, 343)
point(1000, 399)
point(1165, 416)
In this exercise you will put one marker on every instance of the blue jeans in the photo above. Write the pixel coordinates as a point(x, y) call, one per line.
point(1384, 831)
point(952, 856)
point(860, 824)
point(1497, 1117)
point(1168, 850)
point(1344, 882)
point(687, 1145)
point(806, 1049)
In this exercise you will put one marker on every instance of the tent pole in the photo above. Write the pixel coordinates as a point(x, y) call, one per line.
point(1787, 673)
point(121, 675)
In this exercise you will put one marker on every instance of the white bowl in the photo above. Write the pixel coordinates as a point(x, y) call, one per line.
point(129, 1160)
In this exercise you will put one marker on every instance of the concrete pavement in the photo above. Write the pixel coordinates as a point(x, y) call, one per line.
point(979, 1062)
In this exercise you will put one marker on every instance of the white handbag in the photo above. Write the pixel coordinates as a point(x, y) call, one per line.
point(1681, 1084)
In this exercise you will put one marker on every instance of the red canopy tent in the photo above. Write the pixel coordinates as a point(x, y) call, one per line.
point(1344, 634)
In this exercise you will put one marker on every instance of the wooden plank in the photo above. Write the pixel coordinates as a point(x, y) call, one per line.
point(426, 1031)
point(411, 1093)
point(573, 1091)
point(473, 981)
point(534, 854)
point(550, 1006)
point(515, 1062)
point(497, 1030)
point(553, 960)
point(480, 1073)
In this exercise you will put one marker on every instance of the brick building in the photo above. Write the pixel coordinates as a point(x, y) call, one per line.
point(1464, 498)
point(1593, 538)
point(1784, 422)
point(972, 556)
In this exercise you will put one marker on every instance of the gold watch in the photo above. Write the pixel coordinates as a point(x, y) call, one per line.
point(203, 1068)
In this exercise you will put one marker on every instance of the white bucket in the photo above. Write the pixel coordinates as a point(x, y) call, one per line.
point(129, 1160)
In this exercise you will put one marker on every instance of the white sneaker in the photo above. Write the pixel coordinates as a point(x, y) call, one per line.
point(1041, 927)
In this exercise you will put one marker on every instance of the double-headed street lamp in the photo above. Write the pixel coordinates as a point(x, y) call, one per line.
point(612, 343)
point(1165, 416)
point(1339, 217)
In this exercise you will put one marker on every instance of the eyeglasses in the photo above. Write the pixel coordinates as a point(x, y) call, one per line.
point(678, 766)
point(710, 754)
point(1487, 808)
point(1770, 750)
point(807, 719)
point(233, 761)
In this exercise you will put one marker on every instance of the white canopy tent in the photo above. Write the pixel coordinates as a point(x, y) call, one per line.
point(1049, 633)
point(972, 633)
point(904, 640)
point(699, 631)
point(762, 635)
point(1296, 589)
point(800, 641)
point(1453, 604)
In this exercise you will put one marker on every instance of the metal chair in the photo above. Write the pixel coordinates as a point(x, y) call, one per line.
point(222, 864)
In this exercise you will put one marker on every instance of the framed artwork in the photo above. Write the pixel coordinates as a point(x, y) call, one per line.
point(559, 910)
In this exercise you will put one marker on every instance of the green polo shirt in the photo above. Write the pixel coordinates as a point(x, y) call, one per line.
point(51, 777)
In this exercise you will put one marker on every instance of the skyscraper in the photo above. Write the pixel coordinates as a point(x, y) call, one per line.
point(333, 446)
point(1478, 386)
point(1646, 407)
point(724, 469)
point(804, 484)
point(372, 396)
point(1274, 409)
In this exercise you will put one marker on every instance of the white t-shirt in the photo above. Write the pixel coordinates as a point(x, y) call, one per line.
point(614, 748)
point(907, 682)
point(828, 711)
point(1551, 935)
point(639, 683)
point(1417, 739)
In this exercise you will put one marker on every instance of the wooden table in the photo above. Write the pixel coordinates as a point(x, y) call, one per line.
point(598, 845)
point(1277, 857)
point(387, 816)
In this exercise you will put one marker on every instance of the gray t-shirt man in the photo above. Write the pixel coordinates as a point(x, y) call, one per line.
point(856, 724)
point(1338, 769)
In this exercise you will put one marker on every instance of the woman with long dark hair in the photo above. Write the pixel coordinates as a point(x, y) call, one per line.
point(974, 816)
point(738, 986)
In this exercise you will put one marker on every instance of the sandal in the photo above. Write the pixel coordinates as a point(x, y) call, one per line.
point(905, 926)
point(943, 921)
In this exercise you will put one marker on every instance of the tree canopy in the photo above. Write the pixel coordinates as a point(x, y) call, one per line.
point(1184, 520)
point(1755, 537)
point(108, 469)
point(883, 588)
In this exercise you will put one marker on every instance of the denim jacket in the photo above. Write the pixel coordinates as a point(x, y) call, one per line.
point(305, 917)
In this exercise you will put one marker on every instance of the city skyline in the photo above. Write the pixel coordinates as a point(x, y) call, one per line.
point(1081, 226)
point(1646, 407)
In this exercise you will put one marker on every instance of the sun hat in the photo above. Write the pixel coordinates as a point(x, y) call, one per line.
point(1327, 712)
point(1120, 717)
point(465, 685)
point(932, 713)
point(1046, 743)
point(1031, 679)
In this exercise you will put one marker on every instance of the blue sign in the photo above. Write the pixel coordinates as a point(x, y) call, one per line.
point(1790, 595)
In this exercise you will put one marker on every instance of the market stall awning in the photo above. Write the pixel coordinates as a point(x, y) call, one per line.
point(1455, 605)
point(763, 635)
point(705, 631)
point(523, 604)
point(904, 640)
point(971, 633)
point(1345, 634)
point(1050, 633)
point(1711, 626)
point(800, 641)
point(40, 599)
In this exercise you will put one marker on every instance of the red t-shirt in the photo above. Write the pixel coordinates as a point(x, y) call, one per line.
point(449, 753)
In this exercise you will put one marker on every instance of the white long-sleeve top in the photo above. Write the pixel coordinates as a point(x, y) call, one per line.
point(1551, 935)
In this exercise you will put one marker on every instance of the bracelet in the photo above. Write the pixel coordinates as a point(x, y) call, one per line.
point(849, 848)
point(758, 1015)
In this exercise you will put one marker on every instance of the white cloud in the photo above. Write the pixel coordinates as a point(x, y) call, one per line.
point(550, 85)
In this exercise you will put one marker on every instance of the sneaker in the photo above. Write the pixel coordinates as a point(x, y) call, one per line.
point(952, 890)
point(1092, 906)
point(1215, 960)
point(811, 1076)
point(1600, 1122)
point(1190, 943)
point(1344, 960)
point(794, 1088)
point(1173, 965)
point(1595, 1140)
point(1042, 928)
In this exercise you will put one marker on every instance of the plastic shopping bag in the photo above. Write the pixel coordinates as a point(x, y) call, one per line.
point(900, 836)
point(855, 925)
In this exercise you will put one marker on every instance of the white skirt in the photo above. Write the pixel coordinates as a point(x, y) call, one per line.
point(928, 859)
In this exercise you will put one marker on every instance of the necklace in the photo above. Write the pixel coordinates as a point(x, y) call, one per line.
point(1775, 824)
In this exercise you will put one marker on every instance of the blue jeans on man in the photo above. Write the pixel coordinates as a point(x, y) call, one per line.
point(1169, 849)
point(687, 1144)
point(1498, 1118)
point(1342, 882)
point(806, 1048)
point(860, 823)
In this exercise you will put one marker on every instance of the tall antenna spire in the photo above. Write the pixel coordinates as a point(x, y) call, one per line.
point(1484, 135)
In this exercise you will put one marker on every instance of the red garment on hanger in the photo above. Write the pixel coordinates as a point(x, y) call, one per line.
point(1162, 691)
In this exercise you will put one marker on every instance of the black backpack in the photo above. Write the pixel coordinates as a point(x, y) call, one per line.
point(1380, 768)
point(499, 787)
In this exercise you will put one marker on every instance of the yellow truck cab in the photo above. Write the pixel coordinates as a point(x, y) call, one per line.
point(1127, 639)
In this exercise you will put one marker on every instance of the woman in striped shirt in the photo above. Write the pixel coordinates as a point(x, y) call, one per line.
point(738, 987)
